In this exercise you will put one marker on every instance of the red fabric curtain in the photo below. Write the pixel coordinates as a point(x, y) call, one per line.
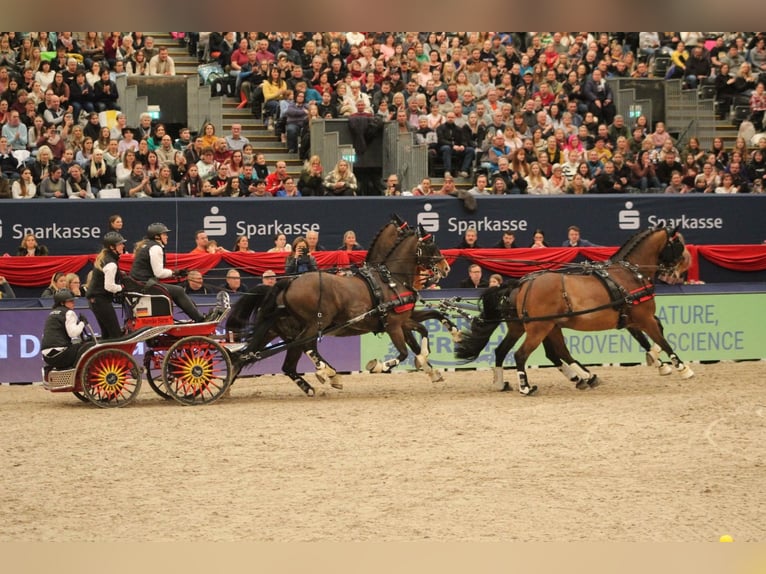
point(37, 271)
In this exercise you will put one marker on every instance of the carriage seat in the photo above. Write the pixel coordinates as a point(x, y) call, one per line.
point(147, 304)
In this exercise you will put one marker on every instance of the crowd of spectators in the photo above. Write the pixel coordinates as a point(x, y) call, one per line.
point(510, 112)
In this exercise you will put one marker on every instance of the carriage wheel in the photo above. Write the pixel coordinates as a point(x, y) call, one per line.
point(80, 396)
point(153, 361)
point(197, 371)
point(111, 378)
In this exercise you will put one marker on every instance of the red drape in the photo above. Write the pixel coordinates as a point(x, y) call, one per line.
point(37, 271)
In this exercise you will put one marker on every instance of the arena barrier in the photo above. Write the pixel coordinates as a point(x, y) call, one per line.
point(702, 323)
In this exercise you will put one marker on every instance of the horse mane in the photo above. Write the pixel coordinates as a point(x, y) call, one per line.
point(396, 221)
point(628, 247)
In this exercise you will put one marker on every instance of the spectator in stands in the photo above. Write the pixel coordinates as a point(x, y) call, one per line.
point(53, 186)
point(757, 104)
point(666, 168)
point(195, 284)
point(77, 185)
point(312, 239)
point(507, 241)
point(311, 180)
point(300, 260)
point(29, 247)
point(105, 94)
point(99, 173)
point(538, 239)
point(15, 132)
point(598, 95)
point(697, 67)
point(280, 244)
point(236, 141)
point(58, 281)
point(474, 279)
point(138, 183)
point(452, 146)
point(269, 278)
point(470, 239)
point(727, 185)
point(274, 90)
point(341, 181)
point(349, 242)
point(574, 239)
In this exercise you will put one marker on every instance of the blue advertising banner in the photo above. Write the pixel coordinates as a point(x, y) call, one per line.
point(69, 227)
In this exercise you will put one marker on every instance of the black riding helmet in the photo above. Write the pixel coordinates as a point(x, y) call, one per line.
point(113, 239)
point(62, 296)
point(156, 229)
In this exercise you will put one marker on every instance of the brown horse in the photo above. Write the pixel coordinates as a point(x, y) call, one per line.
point(617, 293)
point(498, 305)
point(380, 246)
point(315, 304)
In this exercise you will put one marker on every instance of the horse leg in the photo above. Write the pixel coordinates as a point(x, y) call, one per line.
point(536, 332)
point(421, 350)
point(324, 370)
point(290, 366)
point(655, 331)
point(515, 331)
point(398, 339)
point(653, 358)
point(558, 354)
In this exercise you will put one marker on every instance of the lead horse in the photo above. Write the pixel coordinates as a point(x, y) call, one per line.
point(303, 309)
point(614, 294)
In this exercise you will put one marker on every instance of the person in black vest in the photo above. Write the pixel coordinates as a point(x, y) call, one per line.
point(149, 263)
point(105, 283)
point(62, 342)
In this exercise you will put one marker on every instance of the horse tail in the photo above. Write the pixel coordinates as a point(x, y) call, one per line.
point(269, 313)
point(246, 307)
point(493, 303)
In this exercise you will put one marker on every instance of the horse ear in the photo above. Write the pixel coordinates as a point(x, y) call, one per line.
point(398, 221)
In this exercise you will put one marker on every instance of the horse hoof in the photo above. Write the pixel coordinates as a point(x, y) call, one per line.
point(665, 370)
point(652, 360)
point(336, 384)
point(581, 384)
point(594, 381)
point(436, 376)
point(686, 373)
point(528, 390)
point(506, 387)
point(374, 366)
point(420, 362)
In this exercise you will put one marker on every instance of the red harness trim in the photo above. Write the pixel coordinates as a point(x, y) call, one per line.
point(641, 294)
point(403, 308)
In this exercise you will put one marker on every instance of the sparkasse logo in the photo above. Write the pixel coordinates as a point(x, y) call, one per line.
point(428, 219)
point(214, 224)
point(629, 218)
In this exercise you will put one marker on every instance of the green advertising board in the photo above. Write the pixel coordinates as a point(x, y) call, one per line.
point(699, 328)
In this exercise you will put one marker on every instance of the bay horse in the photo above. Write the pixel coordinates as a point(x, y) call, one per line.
point(498, 305)
point(614, 294)
point(379, 248)
point(303, 309)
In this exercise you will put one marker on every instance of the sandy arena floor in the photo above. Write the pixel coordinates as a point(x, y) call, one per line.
point(395, 457)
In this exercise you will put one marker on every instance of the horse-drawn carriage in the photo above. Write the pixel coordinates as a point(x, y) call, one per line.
point(190, 363)
point(183, 360)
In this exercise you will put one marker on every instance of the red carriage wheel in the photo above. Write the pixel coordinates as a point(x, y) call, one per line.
point(153, 361)
point(110, 378)
point(197, 370)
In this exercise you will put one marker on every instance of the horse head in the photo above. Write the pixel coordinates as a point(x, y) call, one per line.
point(674, 257)
point(431, 263)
